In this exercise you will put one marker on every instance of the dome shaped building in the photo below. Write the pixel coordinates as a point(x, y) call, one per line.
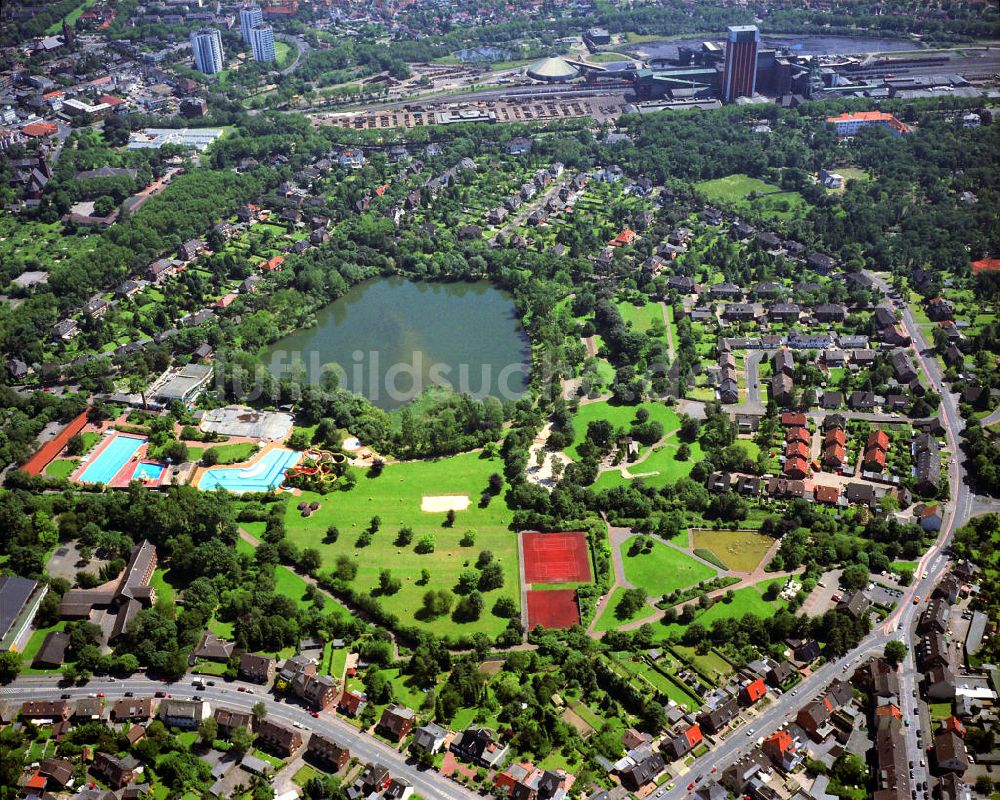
point(554, 69)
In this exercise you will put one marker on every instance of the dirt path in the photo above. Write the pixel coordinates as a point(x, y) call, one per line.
point(591, 345)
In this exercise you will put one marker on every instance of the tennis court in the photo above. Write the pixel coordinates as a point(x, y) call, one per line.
point(553, 608)
point(555, 557)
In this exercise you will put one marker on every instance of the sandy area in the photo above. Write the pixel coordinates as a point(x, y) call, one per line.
point(444, 502)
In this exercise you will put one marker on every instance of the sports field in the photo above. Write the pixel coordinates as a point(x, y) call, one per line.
point(555, 557)
point(555, 608)
point(395, 497)
point(663, 569)
point(740, 551)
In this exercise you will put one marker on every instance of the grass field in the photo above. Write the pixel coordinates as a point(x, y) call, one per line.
point(745, 601)
point(61, 467)
point(608, 621)
point(741, 551)
point(619, 417)
point(711, 663)
point(768, 200)
point(643, 318)
point(663, 569)
point(607, 58)
point(661, 683)
point(395, 497)
point(233, 453)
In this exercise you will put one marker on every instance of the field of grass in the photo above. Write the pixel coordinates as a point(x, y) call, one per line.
point(643, 318)
point(769, 200)
point(745, 601)
point(619, 417)
point(71, 18)
point(281, 53)
point(61, 467)
point(661, 683)
point(233, 453)
point(395, 497)
point(663, 569)
point(741, 551)
point(608, 621)
point(711, 663)
point(607, 58)
point(164, 591)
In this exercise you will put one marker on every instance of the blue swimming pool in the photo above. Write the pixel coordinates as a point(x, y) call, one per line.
point(262, 476)
point(148, 471)
point(112, 457)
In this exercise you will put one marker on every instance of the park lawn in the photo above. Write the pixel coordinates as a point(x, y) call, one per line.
point(61, 467)
point(403, 693)
point(234, 453)
point(660, 469)
point(70, 19)
point(338, 661)
point(663, 569)
point(741, 551)
point(608, 621)
point(745, 601)
point(607, 58)
point(619, 417)
point(395, 497)
point(895, 566)
point(735, 190)
point(281, 51)
point(643, 318)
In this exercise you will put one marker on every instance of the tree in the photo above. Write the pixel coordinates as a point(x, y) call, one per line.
point(449, 518)
point(405, 536)
point(208, 731)
point(259, 711)
point(895, 652)
point(491, 577)
point(310, 560)
point(331, 535)
point(630, 604)
point(468, 538)
point(375, 524)
point(242, 740)
point(346, 569)
point(10, 665)
point(426, 544)
point(854, 577)
point(74, 446)
point(505, 607)
point(387, 583)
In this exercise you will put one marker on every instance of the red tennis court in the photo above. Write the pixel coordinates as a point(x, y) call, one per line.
point(555, 557)
point(553, 608)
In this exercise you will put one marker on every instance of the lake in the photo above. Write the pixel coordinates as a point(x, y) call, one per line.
point(392, 338)
point(803, 45)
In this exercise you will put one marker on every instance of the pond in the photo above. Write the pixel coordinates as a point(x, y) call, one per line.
point(803, 45)
point(391, 339)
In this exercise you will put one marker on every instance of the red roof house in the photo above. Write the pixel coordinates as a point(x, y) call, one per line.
point(693, 735)
point(796, 467)
point(986, 265)
point(753, 691)
point(878, 439)
point(793, 419)
point(826, 494)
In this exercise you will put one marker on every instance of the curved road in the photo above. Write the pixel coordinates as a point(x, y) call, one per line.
point(427, 783)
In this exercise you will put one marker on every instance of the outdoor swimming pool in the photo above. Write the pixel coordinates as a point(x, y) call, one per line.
point(147, 471)
point(112, 457)
point(266, 474)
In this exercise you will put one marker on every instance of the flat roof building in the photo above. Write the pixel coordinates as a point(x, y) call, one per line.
point(19, 601)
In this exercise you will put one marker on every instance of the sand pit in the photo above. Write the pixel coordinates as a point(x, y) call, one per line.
point(444, 502)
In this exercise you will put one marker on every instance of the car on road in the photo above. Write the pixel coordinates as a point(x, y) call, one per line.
point(160, 694)
point(65, 696)
point(314, 714)
point(130, 694)
point(916, 600)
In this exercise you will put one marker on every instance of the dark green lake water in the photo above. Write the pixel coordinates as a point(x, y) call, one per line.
point(393, 338)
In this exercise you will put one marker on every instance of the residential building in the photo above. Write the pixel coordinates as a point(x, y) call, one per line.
point(949, 753)
point(641, 769)
point(249, 17)
point(278, 738)
point(717, 718)
point(184, 713)
point(46, 709)
point(132, 709)
point(114, 771)
point(213, 648)
point(684, 742)
point(429, 738)
point(327, 752)
point(480, 746)
point(230, 720)
point(257, 668)
point(782, 749)
point(262, 43)
point(352, 703)
point(52, 653)
point(397, 722)
point(206, 44)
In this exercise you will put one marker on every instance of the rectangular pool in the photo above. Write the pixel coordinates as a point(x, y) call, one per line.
point(109, 461)
point(265, 474)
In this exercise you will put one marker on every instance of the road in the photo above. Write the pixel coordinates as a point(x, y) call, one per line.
point(933, 565)
point(427, 783)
